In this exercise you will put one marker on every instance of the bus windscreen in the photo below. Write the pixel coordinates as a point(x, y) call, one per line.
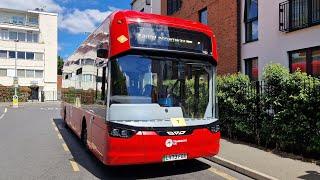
point(146, 35)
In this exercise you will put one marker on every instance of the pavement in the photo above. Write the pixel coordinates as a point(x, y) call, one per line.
point(260, 164)
point(34, 144)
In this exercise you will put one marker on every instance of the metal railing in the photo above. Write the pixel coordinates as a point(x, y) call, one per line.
point(298, 14)
point(9, 21)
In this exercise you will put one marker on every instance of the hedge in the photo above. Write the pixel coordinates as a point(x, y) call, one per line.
point(281, 112)
point(6, 93)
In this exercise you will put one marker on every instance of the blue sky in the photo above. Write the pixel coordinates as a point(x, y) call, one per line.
point(77, 18)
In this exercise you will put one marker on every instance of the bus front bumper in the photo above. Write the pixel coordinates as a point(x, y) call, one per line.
point(149, 147)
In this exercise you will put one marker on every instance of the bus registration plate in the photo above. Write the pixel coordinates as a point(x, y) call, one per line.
point(174, 157)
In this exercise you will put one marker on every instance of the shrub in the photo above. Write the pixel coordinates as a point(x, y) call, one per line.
point(282, 111)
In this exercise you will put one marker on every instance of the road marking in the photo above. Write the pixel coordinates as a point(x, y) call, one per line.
point(222, 174)
point(74, 165)
point(1, 116)
point(55, 128)
point(59, 136)
point(5, 110)
point(65, 147)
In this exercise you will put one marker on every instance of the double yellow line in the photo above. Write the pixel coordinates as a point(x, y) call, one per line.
point(73, 163)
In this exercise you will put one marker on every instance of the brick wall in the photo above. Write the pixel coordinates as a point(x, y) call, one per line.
point(222, 18)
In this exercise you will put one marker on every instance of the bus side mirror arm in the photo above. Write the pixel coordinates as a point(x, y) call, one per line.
point(102, 53)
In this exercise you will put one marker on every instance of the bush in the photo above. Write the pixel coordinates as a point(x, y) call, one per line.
point(6, 93)
point(282, 111)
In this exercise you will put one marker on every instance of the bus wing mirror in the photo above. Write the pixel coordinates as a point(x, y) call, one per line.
point(102, 53)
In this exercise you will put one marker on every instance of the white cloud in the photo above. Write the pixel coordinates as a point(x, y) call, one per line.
point(47, 5)
point(74, 21)
point(78, 21)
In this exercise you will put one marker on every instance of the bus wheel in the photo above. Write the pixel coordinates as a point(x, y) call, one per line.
point(84, 133)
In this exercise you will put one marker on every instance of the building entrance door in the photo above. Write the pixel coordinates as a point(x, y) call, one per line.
point(34, 93)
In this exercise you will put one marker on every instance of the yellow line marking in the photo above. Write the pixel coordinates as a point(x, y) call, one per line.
point(74, 165)
point(222, 174)
point(65, 147)
point(5, 110)
point(59, 136)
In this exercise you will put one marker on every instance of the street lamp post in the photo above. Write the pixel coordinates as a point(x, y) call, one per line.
point(15, 69)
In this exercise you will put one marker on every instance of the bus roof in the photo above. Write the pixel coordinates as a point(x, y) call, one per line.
point(135, 16)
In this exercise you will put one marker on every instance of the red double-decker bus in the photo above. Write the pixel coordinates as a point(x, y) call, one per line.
point(152, 95)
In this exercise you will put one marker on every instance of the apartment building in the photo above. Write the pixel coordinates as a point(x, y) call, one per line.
point(254, 33)
point(83, 70)
point(280, 31)
point(28, 51)
point(148, 6)
point(222, 16)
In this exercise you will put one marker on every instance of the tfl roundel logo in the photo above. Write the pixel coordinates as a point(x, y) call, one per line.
point(169, 143)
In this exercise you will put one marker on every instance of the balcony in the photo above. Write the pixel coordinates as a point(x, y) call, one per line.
point(298, 14)
point(19, 21)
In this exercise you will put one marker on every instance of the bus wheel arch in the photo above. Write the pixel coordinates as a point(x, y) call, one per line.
point(84, 132)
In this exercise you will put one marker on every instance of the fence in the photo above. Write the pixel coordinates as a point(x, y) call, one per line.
point(284, 116)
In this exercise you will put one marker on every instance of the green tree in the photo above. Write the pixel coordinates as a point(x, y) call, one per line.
point(60, 65)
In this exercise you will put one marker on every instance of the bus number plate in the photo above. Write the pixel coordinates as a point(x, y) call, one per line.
point(175, 157)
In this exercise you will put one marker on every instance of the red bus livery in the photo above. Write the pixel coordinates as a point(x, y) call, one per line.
point(141, 89)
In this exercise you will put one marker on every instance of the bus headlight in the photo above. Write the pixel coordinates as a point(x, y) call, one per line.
point(214, 128)
point(121, 133)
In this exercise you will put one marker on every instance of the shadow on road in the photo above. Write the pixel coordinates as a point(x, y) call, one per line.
point(311, 175)
point(88, 161)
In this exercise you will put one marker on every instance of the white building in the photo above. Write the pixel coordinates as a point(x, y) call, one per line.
point(148, 6)
point(29, 39)
point(280, 31)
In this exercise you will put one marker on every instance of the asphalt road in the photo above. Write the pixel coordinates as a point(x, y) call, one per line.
point(34, 144)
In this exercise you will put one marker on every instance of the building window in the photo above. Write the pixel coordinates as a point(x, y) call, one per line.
point(17, 20)
point(251, 20)
point(21, 73)
point(251, 68)
point(13, 35)
point(203, 16)
point(29, 55)
point(173, 6)
point(3, 72)
point(148, 2)
point(12, 54)
point(4, 34)
point(298, 14)
point(306, 60)
point(35, 37)
point(29, 73)
point(3, 54)
point(87, 78)
point(21, 55)
point(21, 36)
point(315, 62)
point(38, 56)
point(11, 73)
point(38, 73)
point(33, 21)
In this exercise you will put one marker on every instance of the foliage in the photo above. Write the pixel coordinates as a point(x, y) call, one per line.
point(6, 93)
point(60, 65)
point(281, 112)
